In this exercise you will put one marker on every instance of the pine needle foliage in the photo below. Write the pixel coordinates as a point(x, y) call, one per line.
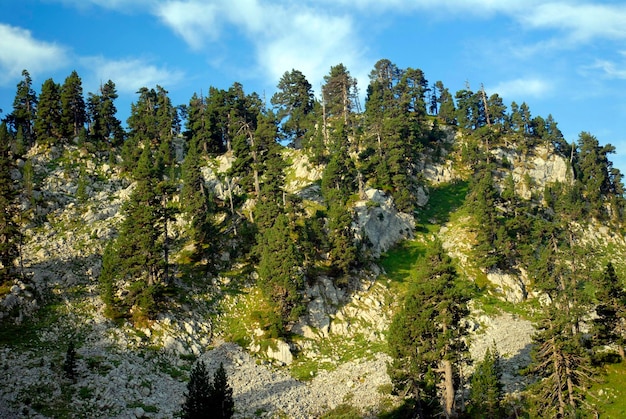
point(206, 398)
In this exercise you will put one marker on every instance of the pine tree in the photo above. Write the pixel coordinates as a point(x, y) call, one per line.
point(561, 362)
point(197, 205)
point(340, 94)
point(222, 395)
point(74, 114)
point(198, 403)
point(9, 229)
point(48, 127)
point(208, 399)
point(447, 109)
point(280, 269)
point(609, 326)
point(426, 337)
point(294, 102)
point(137, 256)
point(69, 365)
point(103, 123)
point(486, 391)
point(22, 119)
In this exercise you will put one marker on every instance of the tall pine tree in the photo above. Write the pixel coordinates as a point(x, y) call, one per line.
point(426, 337)
point(73, 108)
point(9, 229)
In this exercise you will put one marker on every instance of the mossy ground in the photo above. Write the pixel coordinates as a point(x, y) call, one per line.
point(611, 392)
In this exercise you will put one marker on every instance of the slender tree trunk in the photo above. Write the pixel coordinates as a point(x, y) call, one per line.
point(570, 383)
point(557, 376)
point(324, 130)
point(229, 182)
point(448, 389)
point(166, 243)
point(361, 185)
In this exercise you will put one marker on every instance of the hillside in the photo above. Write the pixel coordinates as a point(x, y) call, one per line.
point(152, 249)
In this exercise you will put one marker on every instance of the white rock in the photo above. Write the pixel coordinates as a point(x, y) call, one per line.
point(139, 412)
point(282, 352)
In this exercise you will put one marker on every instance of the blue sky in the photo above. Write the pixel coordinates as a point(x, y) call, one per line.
point(566, 58)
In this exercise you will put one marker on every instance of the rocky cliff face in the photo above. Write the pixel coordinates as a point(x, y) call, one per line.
point(126, 372)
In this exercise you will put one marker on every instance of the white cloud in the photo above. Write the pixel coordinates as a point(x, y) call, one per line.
point(311, 43)
point(19, 51)
point(285, 35)
point(611, 69)
point(581, 22)
point(192, 20)
point(523, 88)
point(132, 74)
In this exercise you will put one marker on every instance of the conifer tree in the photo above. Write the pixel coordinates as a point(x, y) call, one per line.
point(48, 128)
point(69, 365)
point(426, 337)
point(198, 205)
point(340, 94)
point(137, 256)
point(561, 362)
point(281, 276)
point(609, 325)
point(222, 395)
point(294, 102)
point(208, 399)
point(481, 201)
point(198, 403)
point(9, 229)
point(486, 391)
point(445, 100)
point(74, 114)
point(22, 119)
point(103, 123)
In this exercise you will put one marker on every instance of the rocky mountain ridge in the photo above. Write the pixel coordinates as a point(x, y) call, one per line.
point(140, 372)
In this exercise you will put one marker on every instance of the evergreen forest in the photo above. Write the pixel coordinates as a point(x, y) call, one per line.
point(395, 222)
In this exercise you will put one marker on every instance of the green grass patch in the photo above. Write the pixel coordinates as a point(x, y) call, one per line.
point(343, 411)
point(400, 261)
point(443, 200)
point(333, 351)
point(492, 305)
point(611, 394)
point(26, 335)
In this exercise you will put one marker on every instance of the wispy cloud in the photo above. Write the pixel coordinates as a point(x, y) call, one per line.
point(19, 51)
point(285, 35)
point(523, 88)
point(193, 21)
point(580, 22)
point(131, 74)
point(610, 69)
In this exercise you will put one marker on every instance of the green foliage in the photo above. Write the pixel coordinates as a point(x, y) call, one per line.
point(69, 364)
point(486, 391)
point(136, 257)
point(280, 268)
point(105, 128)
point(427, 333)
point(294, 101)
point(47, 126)
point(343, 411)
point(610, 310)
point(208, 398)
point(198, 206)
point(22, 119)
point(73, 108)
point(9, 228)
